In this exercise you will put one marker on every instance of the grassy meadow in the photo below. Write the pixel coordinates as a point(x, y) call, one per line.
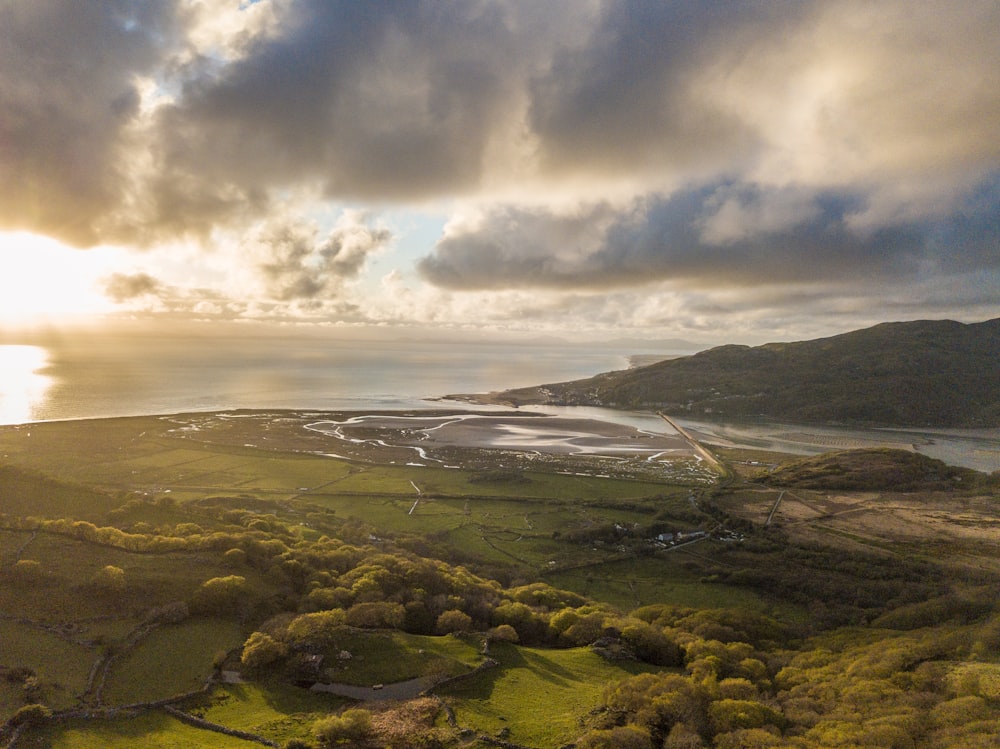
point(571, 681)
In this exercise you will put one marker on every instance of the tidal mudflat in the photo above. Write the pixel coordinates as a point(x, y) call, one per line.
point(508, 439)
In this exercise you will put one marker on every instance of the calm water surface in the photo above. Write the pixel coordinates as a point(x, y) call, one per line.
point(102, 378)
point(108, 377)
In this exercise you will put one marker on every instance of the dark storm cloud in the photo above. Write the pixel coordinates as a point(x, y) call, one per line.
point(381, 100)
point(623, 100)
point(724, 234)
point(67, 93)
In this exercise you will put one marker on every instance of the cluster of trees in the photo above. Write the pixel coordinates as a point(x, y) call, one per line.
point(851, 688)
point(743, 679)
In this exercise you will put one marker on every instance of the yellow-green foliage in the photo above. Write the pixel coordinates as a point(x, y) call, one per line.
point(979, 679)
point(261, 650)
point(351, 727)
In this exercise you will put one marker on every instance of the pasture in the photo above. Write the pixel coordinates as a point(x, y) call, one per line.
point(159, 499)
point(384, 657)
point(171, 660)
point(567, 682)
point(150, 730)
point(632, 583)
point(276, 711)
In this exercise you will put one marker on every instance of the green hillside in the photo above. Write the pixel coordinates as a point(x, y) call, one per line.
point(926, 373)
point(878, 469)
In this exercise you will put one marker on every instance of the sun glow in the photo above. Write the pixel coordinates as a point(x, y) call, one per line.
point(23, 383)
point(43, 281)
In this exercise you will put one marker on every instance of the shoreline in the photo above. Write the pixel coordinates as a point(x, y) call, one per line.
point(978, 449)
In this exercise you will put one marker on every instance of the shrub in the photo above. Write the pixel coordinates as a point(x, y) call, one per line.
point(453, 621)
point(31, 715)
point(620, 737)
point(376, 614)
point(261, 650)
point(27, 571)
point(503, 633)
point(110, 579)
point(353, 725)
point(220, 595)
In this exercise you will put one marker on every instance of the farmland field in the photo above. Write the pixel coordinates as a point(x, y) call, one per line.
point(236, 567)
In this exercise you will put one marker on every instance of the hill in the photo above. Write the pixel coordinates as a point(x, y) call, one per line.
point(929, 373)
point(879, 469)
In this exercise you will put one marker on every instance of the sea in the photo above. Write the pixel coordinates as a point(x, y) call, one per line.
point(94, 376)
point(106, 376)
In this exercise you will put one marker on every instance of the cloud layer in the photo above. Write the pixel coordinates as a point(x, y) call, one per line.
point(583, 148)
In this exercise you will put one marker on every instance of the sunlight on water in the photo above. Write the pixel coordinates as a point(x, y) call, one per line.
point(22, 385)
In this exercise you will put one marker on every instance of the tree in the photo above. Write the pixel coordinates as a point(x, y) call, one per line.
point(220, 595)
point(318, 628)
point(586, 629)
point(530, 626)
point(747, 738)
point(261, 650)
point(727, 715)
point(503, 633)
point(682, 736)
point(376, 614)
point(619, 737)
point(651, 645)
point(27, 572)
point(453, 621)
point(110, 580)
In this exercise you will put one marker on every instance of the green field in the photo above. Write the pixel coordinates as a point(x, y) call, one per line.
point(275, 711)
point(541, 696)
point(61, 666)
point(172, 660)
point(149, 730)
point(137, 555)
point(640, 582)
point(387, 657)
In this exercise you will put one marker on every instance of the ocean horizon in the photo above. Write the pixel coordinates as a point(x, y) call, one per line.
point(100, 377)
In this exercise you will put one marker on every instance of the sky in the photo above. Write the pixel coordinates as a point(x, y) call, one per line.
point(713, 171)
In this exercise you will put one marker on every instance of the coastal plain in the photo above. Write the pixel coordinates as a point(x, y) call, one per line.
point(199, 578)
